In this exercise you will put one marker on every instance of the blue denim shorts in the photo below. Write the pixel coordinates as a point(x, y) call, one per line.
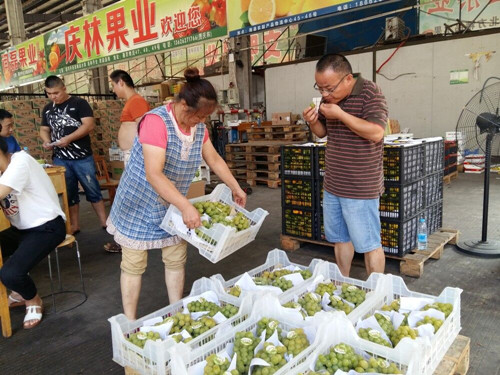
point(352, 220)
point(83, 171)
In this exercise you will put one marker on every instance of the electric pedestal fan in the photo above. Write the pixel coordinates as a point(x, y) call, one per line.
point(479, 124)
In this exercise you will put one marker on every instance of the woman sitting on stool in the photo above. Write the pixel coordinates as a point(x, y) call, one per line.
point(30, 202)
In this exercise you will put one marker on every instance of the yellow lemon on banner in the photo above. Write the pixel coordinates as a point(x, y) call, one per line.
point(311, 5)
point(283, 7)
point(297, 6)
point(260, 11)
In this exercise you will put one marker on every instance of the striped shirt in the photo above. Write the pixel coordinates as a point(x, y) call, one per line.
point(354, 164)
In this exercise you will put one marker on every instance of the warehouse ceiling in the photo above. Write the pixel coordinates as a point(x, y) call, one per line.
point(43, 15)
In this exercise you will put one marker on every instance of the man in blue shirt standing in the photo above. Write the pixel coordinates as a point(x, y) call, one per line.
point(6, 130)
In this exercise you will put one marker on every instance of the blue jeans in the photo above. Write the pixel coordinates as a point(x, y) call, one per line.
point(352, 220)
point(83, 171)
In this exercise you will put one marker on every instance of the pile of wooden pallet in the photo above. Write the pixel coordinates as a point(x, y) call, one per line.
point(256, 161)
point(278, 133)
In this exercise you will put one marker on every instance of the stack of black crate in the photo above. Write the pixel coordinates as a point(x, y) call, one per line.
point(413, 181)
point(299, 193)
point(450, 157)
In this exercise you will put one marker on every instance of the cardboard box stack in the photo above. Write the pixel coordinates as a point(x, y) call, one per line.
point(27, 120)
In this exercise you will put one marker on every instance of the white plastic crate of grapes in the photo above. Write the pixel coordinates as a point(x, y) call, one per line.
point(154, 358)
point(438, 345)
point(219, 240)
point(372, 290)
point(276, 259)
point(338, 330)
point(186, 361)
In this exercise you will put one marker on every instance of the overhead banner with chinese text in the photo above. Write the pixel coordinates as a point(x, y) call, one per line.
point(125, 30)
point(435, 14)
point(250, 16)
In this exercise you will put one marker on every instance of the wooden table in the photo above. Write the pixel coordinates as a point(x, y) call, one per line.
point(56, 174)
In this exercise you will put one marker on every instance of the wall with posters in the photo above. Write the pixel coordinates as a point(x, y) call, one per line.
point(426, 101)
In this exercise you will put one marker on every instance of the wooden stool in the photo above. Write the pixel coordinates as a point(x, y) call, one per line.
point(4, 307)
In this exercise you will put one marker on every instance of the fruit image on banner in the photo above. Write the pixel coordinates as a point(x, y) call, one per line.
point(247, 16)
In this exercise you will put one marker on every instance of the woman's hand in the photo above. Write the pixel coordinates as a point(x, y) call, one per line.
point(239, 197)
point(191, 216)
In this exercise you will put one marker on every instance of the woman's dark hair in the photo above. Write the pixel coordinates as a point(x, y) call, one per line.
point(116, 75)
point(197, 92)
point(334, 61)
point(3, 146)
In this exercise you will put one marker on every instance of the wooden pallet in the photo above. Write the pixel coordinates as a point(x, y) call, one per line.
point(447, 179)
point(279, 136)
point(411, 264)
point(273, 184)
point(254, 165)
point(455, 361)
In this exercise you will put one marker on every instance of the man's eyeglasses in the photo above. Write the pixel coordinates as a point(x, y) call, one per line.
point(328, 91)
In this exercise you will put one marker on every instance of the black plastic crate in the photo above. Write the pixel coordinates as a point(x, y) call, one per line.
point(434, 217)
point(450, 169)
point(298, 192)
point(403, 164)
point(398, 237)
point(402, 201)
point(298, 222)
point(320, 229)
point(297, 161)
point(450, 147)
point(450, 159)
point(433, 188)
point(433, 156)
point(319, 194)
point(319, 161)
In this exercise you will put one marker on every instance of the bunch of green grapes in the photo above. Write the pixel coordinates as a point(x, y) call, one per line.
point(216, 365)
point(240, 222)
point(379, 366)
point(205, 237)
point(374, 336)
point(179, 322)
point(446, 308)
point(393, 306)
point(403, 331)
point(323, 288)
point(311, 303)
point(244, 345)
point(229, 310)
point(283, 284)
point(273, 275)
point(353, 294)
point(206, 224)
point(268, 325)
point(235, 291)
point(274, 355)
point(261, 280)
point(341, 356)
point(295, 341)
point(337, 303)
point(293, 305)
point(306, 274)
point(140, 338)
point(385, 322)
point(203, 305)
point(202, 325)
point(436, 323)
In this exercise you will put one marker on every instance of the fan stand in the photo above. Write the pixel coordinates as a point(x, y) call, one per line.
point(483, 247)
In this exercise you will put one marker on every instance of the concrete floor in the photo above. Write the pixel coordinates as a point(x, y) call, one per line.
point(79, 341)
